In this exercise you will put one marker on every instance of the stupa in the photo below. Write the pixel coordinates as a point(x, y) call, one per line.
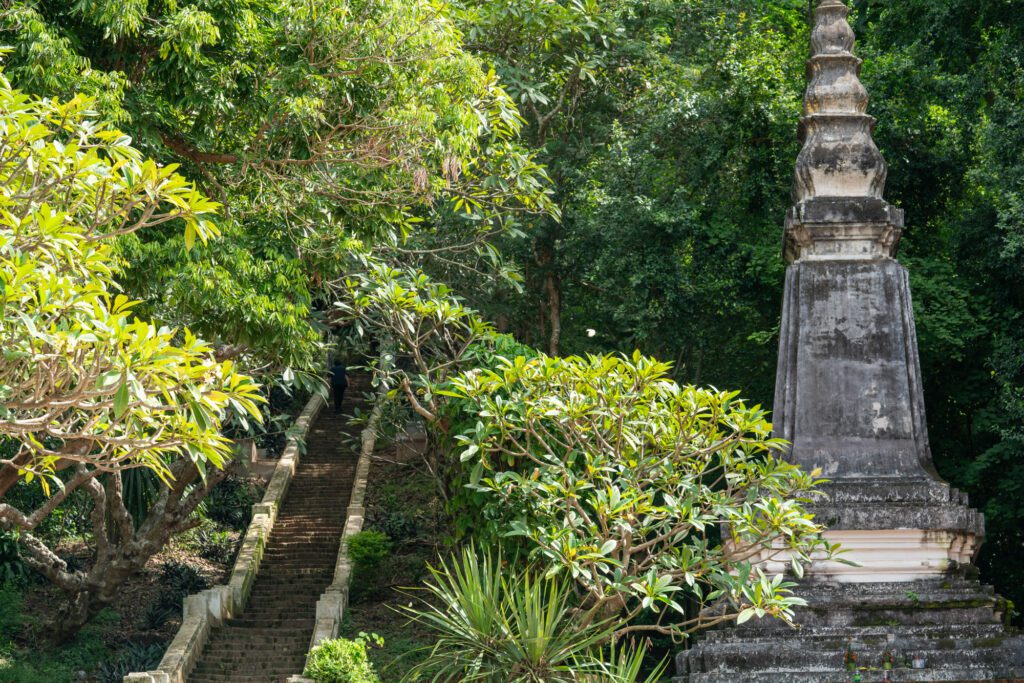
point(848, 398)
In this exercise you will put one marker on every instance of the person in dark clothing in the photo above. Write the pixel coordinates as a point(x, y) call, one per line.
point(339, 382)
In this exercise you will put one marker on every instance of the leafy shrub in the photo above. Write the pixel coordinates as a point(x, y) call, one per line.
point(134, 657)
point(211, 542)
point(10, 611)
point(368, 549)
point(38, 661)
point(182, 579)
point(13, 569)
point(217, 546)
point(230, 503)
point(391, 517)
point(177, 580)
point(618, 477)
point(343, 661)
point(158, 613)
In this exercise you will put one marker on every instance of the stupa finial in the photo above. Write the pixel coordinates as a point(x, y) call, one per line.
point(839, 158)
point(839, 211)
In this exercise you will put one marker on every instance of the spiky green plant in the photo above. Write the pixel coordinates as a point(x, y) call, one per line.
point(507, 625)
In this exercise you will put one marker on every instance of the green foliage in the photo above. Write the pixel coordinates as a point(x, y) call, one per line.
point(120, 392)
point(471, 514)
point(230, 503)
point(133, 657)
point(394, 519)
point(424, 325)
point(13, 569)
point(367, 550)
point(621, 478)
point(88, 390)
point(325, 129)
point(335, 130)
point(514, 627)
point(46, 663)
point(343, 661)
point(673, 176)
point(217, 545)
point(211, 542)
point(177, 581)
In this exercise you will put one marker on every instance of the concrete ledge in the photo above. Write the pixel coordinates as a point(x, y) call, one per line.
point(208, 609)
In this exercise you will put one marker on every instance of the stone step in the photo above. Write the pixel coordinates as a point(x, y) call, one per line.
point(265, 675)
point(956, 675)
point(881, 490)
point(294, 584)
point(275, 621)
point(251, 662)
point(278, 634)
point(286, 575)
point(894, 590)
point(869, 634)
point(291, 543)
point(810, 658)
point(275, 554)
point(246, 642)
point(266, 659)
point(267, 643)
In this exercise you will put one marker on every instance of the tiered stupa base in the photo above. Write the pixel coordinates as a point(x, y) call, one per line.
point(913, 594)
point(953, 626)
point(895, 530)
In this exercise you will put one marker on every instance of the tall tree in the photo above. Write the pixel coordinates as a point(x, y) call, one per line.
point(87, 389)
point(323, 128)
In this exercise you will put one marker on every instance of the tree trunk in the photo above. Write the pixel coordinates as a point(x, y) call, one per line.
point(9, 475)
point(121, 550)
point(554, 286)
point(70, 617)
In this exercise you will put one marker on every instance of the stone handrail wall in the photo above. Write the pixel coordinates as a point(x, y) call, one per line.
point(210, 608)
point(330, 608)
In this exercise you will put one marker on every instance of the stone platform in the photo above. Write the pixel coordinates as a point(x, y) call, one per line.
point(893, 529)
point(955, 624)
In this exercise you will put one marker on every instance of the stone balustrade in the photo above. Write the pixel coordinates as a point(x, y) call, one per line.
point(211, 607)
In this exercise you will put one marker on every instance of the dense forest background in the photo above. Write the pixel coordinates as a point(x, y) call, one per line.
point(668, 131)
point(673, 173)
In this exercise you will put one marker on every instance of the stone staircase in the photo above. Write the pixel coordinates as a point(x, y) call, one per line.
point(954, 625)
point(268, 642)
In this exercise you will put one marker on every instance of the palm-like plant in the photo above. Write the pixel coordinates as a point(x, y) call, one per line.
point(511, 626)
point(625, 665)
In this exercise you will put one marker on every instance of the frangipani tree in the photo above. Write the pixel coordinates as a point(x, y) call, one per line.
point(648, 494)
point(87, 390)
point(423, 332)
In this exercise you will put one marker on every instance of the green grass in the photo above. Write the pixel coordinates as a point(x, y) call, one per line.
point(42, 662)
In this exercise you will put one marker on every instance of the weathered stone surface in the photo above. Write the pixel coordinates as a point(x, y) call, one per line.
point(839, 157)
point(954, 625)
point(848, 394)
point(848, 381)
